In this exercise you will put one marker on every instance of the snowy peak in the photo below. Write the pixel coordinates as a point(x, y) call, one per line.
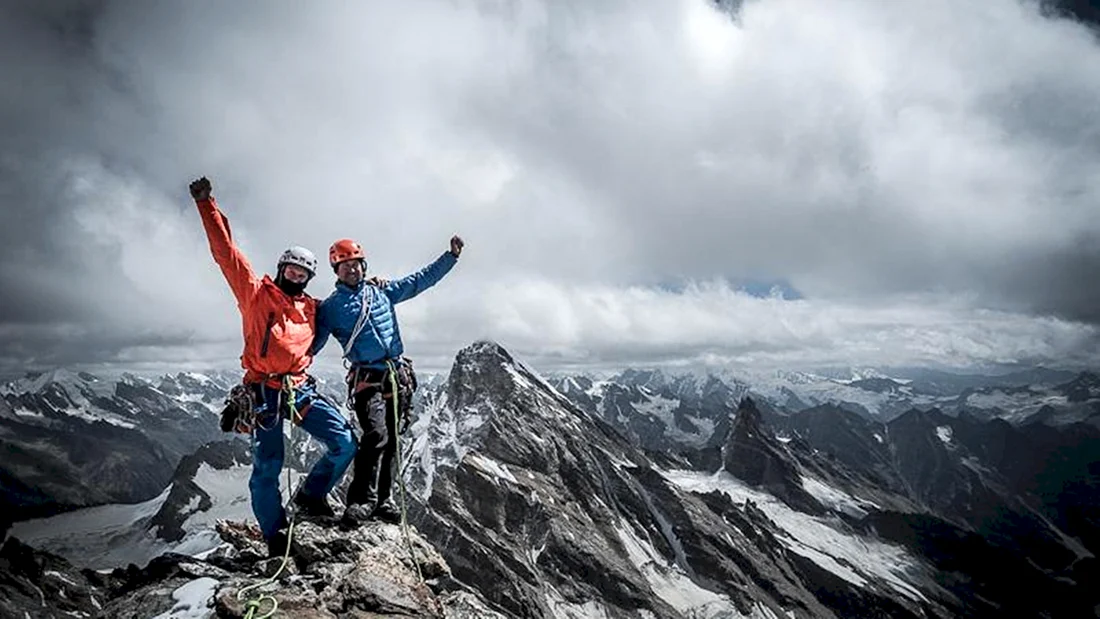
point(652, 379)
point(878, 385)
point(866, 391)
point(59, 390)
point(573, 386)
point(660, 412)
point(1083, 388)
point(195, 385)
point(484, 367)
point(756, 457)
point(485, 372)
point(550, 513)
point(37, 382)
point(491, 405)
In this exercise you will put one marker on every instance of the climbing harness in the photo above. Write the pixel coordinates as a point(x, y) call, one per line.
point(240, 412)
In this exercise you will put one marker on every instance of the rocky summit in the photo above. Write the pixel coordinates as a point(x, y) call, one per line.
point(371, 571)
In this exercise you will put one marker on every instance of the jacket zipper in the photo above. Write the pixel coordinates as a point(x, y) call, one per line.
point(267, 333)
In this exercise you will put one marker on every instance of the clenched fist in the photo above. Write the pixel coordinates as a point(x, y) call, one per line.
point(200, 189)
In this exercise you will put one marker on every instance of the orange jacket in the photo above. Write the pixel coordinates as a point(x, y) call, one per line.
point(278, 329)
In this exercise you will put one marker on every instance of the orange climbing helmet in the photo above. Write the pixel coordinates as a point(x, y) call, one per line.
point(345, 249)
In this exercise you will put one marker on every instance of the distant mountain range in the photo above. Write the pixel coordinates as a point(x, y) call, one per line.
point(644, 493)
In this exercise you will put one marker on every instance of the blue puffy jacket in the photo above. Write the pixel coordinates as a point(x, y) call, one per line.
point(380, 338)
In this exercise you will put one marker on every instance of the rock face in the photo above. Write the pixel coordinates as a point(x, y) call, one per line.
point(372, 571)
point(73, 440)
point(548, 511)
point(652, 409)
point(37, 584)
point(188, 496)
point(754, 456)
point(1015, 509)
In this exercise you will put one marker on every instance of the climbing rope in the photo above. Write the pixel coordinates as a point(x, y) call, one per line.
point(253, 605)
point(400, 469)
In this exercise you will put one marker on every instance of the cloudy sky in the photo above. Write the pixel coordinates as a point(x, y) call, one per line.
point(919, 181)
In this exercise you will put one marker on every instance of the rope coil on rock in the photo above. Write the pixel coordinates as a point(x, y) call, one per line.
point(252, 607)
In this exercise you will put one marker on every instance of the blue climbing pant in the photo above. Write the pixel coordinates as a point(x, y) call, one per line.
point(323, 422)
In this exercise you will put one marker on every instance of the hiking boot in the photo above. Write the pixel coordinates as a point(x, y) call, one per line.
point(356, 515)
point(313, 506)
point(277, 545)
point(387, 512)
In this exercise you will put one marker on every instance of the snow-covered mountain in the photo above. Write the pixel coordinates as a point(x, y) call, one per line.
point(885, 394)
point(653, 408)
point(73, 439)
point(540, 503)
point(533, 497)
point(1069, 401)
point(208, 485)
point(664, 410)
point(1032, 491)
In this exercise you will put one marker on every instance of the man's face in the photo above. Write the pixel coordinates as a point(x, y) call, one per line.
point(350, 272)
point(295, 273)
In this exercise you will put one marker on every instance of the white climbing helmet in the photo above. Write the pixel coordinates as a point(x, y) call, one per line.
point(299, 256)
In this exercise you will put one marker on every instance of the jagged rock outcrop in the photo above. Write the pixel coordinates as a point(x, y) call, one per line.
point(1009, 507)
point(372, 571)
point(38, 584)
point(187, 495)
point(548, 511)
point(753, 455)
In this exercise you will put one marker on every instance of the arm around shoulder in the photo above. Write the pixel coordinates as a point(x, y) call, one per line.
point(321, 331)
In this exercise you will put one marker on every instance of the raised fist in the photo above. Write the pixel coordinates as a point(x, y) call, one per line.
point(456, 245)
point(200, 189)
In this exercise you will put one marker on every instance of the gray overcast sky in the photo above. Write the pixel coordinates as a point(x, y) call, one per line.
point(926, 175)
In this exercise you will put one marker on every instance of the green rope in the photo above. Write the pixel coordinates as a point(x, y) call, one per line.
point(400, 469)
point(253, 604)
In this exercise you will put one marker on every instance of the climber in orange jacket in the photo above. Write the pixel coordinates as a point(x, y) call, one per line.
point(278, 321)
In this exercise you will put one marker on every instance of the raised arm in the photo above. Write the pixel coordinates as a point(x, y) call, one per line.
point(412, 285)
point(231, 260)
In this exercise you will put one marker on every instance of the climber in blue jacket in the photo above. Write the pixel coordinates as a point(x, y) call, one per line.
point(361, 316)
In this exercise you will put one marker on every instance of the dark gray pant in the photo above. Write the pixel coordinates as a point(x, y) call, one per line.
point(373, 475)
